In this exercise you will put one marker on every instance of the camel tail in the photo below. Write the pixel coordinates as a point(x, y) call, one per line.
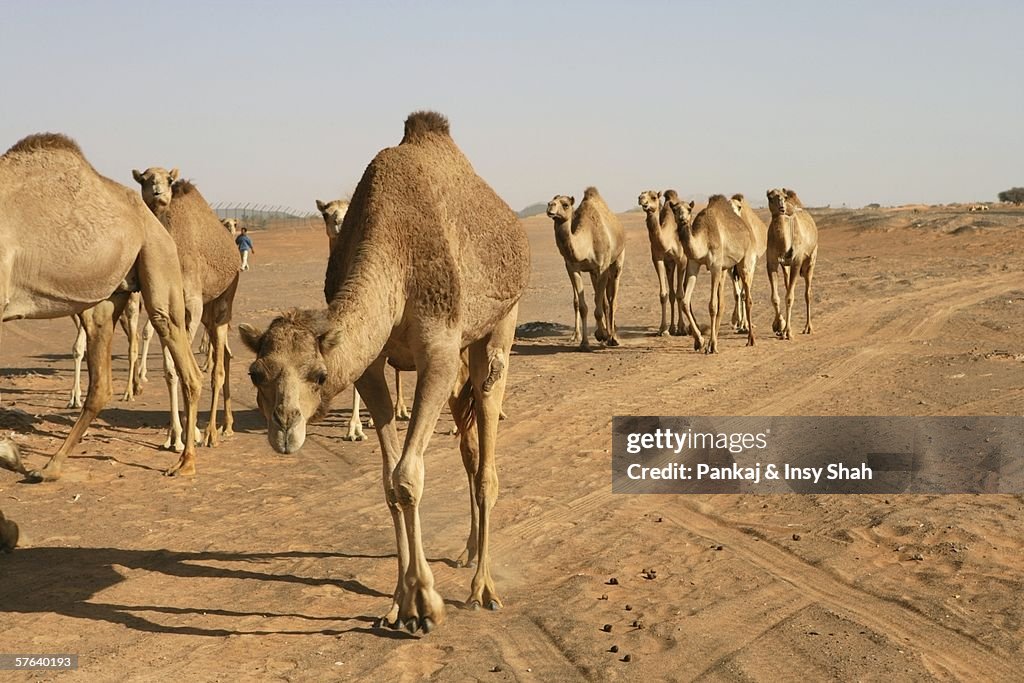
point(464, 410)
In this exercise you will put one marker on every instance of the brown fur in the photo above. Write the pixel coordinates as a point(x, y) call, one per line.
point(45, 141)
point(182, 188)
point(421, 123)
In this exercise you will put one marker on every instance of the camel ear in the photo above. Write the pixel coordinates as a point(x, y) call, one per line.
point(328, 341)
point(320, 206)
point(572, 201)
point(691, 205)
point(251, 337)
point(137, 176)
point(659, 195)
point(174, 175)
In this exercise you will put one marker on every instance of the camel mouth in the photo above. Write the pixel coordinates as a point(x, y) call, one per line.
point(287, 441)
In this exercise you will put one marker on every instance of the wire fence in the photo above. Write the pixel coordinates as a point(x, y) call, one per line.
point(266, 216)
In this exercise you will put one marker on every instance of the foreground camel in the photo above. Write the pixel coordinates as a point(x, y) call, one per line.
point(591, 240)
point(742, 208)
point(130, 324)
point(668, 257)
point(209, 269)
point(50, 194)
point(719, 240)
point(333, 213)
point(432, 261)
point(8, 534)
point(792, 243)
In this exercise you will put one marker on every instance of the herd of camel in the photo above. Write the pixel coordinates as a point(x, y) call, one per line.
point(426, 269)
point(726, 237)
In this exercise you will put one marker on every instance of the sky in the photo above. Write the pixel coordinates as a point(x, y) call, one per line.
point(283, 103)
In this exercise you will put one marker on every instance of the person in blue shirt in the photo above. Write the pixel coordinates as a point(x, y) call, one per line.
point(244, 243)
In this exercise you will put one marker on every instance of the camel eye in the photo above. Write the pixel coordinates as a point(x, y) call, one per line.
point(320, 378)
point(256, 376)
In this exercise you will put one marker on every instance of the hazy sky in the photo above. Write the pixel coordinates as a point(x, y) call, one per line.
point(282, 103)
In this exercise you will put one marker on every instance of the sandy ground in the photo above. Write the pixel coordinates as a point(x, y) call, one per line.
point(273, 568)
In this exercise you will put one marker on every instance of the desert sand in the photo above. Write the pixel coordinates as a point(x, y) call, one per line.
point(274, 567)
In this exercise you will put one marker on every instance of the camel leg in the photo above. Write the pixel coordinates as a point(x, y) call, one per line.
point(78, 352)
point(98, 323)
point(460, 405)
point(794, 272)
point(488, 369)
point(374, 388)
point(808, 273)
point(162, 295)
point(437, 366)
point(600, 284)
point(580, 301)
point(143, 365)
point(692, 268)
point(681, 327)
point(747, 276)
point(739, 313)
point(611, 290)
point(663, 288)
point(401, 412)
point(714, 309)
point(206, 349)
point(576, 302)
point(772, 265)
point(130, 324)
point(217, 336)
point(175, 438)
point(229, 416)
point(355, 424)
point(673, 296)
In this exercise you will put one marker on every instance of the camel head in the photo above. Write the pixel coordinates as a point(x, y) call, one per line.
point(156, 186)
point(780, 203)
point(230, 224)
point(648, 201)
point(333, 213)
point(682, 210)
point(290, 374)
point(560, 208)
point(737, 204)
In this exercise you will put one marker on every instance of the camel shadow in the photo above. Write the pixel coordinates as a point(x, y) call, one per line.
point(67, 581)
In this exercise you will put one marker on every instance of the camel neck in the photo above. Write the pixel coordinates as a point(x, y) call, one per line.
point(572, 241)
point(364, 311)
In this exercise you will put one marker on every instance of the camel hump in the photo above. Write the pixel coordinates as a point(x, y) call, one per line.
point(421, 123)
point(182, 187)
point(717, 199)
point(591, 192)
point(45, 141)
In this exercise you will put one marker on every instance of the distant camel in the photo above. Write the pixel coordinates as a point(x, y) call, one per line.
point(760, 230)
point(719, 240)
point(668, 257)
point(591, 240)
point(792, 242)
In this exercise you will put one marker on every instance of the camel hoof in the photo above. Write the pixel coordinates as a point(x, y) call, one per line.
point(39, 476)
point(427, 624)
point(612, 341)
point(184, 468)
point(74, 404)
point(698, 344)
point(807, 330)
point(585, 348)
point(664, 333)
point(353, 437)
point(411, 625)
point(494, 605)
point(473, 605)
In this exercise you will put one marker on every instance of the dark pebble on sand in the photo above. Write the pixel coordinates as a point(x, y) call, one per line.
point(613, 581)
point(796, 537)
point(607, 628)
point(613, 648)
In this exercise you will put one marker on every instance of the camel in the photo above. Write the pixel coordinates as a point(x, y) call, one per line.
point(209, 269)
point(719, 240)
point(130, 324)
point(591, 240)
point(668, 257)
point(431, 262)
point(754, 222)
point(8, 534)
point(50, 194)
point(333, 213)
point(792, 243)
point(230, 224)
